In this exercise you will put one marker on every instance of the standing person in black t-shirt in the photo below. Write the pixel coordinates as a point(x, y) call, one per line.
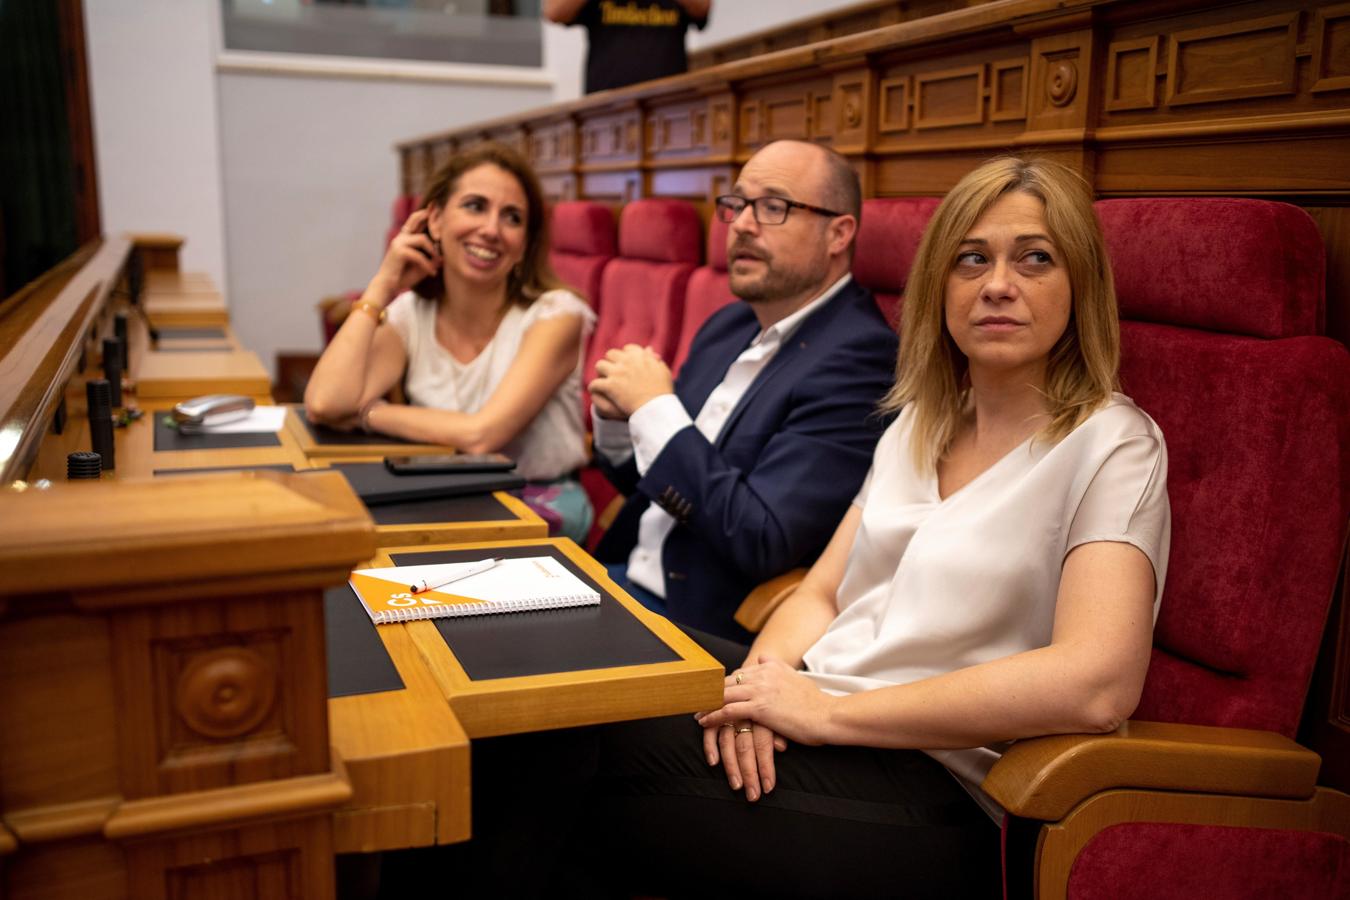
point(631, 40)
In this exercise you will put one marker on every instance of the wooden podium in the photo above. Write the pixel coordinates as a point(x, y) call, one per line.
point(162, 663)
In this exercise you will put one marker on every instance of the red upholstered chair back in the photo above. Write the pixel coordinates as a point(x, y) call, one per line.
point(709, 290)
point(583, 243)
point(887, 241)
point(1221, 301)
point(402, 207)
point(644, 286)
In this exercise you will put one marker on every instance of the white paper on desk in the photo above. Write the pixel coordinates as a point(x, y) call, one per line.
point(263, 419)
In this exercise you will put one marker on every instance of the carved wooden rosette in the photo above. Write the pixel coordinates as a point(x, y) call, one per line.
point(162, 655)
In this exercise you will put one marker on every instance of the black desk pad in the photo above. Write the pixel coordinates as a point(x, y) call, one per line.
point(329, 437)
point(542, 642)
point(357, 660)
point(168, 438)
point(475, 508)
point(377, 486)
point(280, 467)
point(184, 332)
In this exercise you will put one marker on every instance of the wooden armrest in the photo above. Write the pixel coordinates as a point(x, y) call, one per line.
point(1043, 778)
point(756, 608)
point(606, 516)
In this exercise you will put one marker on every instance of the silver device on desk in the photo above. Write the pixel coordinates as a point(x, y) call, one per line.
point(213, 409)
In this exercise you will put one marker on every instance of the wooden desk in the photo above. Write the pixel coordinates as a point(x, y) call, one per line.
point(359, 449)
point(166, 281)
point(135, 444)
point(511, 519)
point(202, 308)
point(165, 729)
point(407, 758)
point(177, 376)
point(690, 681)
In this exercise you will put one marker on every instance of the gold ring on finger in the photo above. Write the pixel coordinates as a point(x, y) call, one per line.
point(744, 729)
point(740, 676)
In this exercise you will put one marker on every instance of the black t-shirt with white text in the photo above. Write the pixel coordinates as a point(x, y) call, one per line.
point(634, 40)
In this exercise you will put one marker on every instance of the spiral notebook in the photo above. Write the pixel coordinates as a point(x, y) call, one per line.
point(512, 585)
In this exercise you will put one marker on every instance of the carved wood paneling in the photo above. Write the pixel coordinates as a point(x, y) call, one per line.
point(678, 131)
point(1008, 90)
point(1059, 93)
point(553, 146)
point(615, 188)
point(1233, 61)
point(854, 102)
point(895, 98)
point(285, 861)
point(949, 97)
point(611, 138)
point(787, 111)
point(235, 697)
point(1331, 48)
point(1132, 74)
point(54, 675)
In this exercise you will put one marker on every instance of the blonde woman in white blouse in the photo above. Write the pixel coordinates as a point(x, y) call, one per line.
point(466, 310)
point(997, 577)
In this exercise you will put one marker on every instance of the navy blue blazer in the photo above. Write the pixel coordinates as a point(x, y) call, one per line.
point(767, 496)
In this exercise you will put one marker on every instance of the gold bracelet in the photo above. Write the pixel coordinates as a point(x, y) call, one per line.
point(375, 310)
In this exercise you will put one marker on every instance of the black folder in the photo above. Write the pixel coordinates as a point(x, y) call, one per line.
point(376, 485)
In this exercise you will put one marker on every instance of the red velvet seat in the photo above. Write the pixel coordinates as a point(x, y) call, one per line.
point(709, 290)
point(583, 243)
point(887, 241)
point(643, 291)
point(644, 286)
point(402, 207)
point(1221, 304)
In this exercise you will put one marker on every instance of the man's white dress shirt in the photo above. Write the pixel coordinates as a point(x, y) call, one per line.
point(654, 423)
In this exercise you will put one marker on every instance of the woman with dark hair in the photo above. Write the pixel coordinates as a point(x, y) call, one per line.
point(467, 312)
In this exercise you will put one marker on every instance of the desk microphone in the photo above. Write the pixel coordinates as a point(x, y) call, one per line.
point(112, 371)
point(98, 393)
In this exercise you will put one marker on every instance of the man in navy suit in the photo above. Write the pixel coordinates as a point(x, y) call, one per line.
point(741, 469)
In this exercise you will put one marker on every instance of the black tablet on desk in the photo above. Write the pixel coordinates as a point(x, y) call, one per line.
point(377, 486)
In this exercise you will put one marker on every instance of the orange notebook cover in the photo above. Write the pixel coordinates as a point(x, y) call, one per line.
point(512, 585)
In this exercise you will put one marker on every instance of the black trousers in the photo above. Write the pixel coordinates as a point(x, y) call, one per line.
point(840, 821)
point(634, 808)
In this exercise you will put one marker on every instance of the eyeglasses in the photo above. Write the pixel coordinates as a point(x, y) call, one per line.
point(768, 210)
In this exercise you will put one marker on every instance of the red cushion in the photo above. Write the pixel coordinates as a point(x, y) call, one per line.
point(1164, 861)
point(888, 238)
point(1249, 267)
point(661, 231)
point(583, 242)
point(717, 244)
point(709, 290)
point(402, 207)
point(583, 228)
point(1258, 437)
point(581, 274)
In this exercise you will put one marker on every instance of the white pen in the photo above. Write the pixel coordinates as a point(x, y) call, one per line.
point(475, 569)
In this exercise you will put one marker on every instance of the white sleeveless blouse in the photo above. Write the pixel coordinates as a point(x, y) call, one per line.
point(936, 585)
point(554, 443)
